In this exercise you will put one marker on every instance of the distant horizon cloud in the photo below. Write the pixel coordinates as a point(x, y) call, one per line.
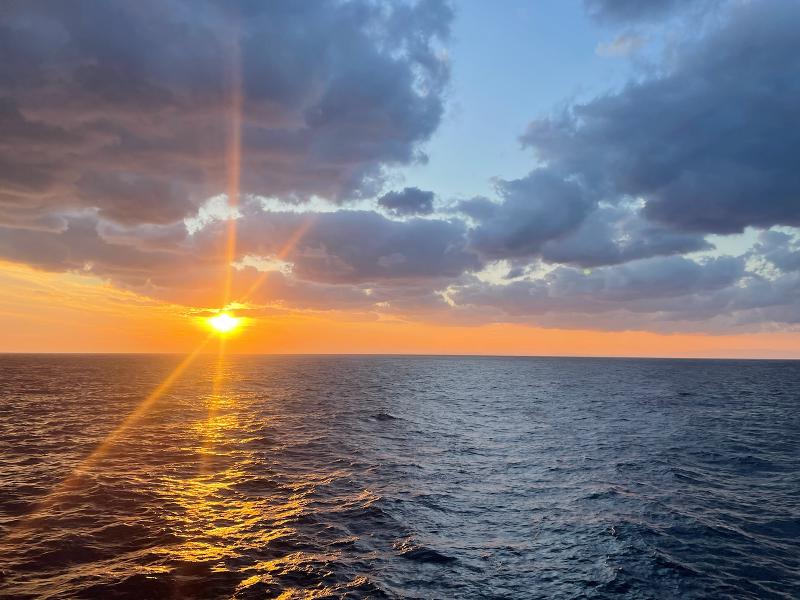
point(115, 132)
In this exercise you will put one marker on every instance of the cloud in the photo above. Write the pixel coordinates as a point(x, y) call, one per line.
point(350, 246)
point(623, 45)
point(634, 10)
point(79, 246)
point(606, 289)
point(710, 145)
point(408, 201)
point(618, 234)
point(127, 108)
point(545, 216)
point(779, 249)
point(129, 198)
point(659, 294)
point(115, 130)
point(478, 208)
point(419, 269)
point(534, 209)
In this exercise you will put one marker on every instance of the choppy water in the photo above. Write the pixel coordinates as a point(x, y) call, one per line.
point(400, 477)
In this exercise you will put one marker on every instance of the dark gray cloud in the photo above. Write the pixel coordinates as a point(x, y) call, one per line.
point(419, 268)
point(350, 248)
point(114, 126)
point(779, 249)
point(127, 108)
point(478, 208)
point(711, 145)
point(661, 294)
point(627, 11)
point(402, 299)
point(611, 288)
point(546, 216)
point(361, 246)
point(79, 246)
point(408, 201)
point(613, 235)
point(281, 289)
point(535, 209)
point(130, 198)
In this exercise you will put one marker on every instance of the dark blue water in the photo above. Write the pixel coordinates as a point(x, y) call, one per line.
point(399, 477)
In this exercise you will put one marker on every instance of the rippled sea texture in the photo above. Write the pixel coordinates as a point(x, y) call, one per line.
point(400, 477)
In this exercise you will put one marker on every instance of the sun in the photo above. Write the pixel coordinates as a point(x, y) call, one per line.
point(224, 322)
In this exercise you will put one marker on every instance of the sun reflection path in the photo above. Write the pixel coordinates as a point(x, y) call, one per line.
point(233, 164)
point(213, 407)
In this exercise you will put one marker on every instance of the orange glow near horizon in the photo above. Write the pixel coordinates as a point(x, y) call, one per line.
point(223, 323)
point(64, 312)
point(70, 312)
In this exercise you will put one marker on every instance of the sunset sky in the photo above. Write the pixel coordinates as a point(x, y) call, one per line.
point(606, 177)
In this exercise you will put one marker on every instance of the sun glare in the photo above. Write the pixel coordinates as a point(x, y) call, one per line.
point(223, 322)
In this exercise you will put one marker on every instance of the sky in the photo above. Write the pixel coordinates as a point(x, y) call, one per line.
point(596, 177)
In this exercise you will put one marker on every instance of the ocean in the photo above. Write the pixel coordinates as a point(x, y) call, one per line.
point(399, 477)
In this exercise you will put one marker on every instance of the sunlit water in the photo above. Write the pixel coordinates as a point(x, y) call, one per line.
point(401, 477)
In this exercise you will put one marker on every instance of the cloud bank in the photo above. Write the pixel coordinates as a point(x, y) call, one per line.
point(119, 121)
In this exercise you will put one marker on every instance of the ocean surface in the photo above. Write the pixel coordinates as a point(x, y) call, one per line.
point(399, 477)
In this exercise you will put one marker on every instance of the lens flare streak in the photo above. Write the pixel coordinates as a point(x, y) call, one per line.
point(73, 480)
point(222, 323)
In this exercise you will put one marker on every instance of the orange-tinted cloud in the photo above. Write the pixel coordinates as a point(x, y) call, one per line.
point(117, 143)
point(45, 312)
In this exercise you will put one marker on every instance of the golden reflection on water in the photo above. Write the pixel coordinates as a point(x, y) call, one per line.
point(75, 479)
point(212, 431)
point(211, 519)
point(215, 506)
point(204, 511)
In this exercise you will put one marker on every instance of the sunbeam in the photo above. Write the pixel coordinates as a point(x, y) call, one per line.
point(234, 165)
point(91, 461)
point(283, 253)
point(223, 323)
point(296, 302)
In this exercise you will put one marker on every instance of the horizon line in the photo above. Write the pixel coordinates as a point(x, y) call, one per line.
point(411, 355)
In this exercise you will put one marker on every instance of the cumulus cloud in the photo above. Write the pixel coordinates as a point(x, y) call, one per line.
point(353, 249)
point(618, 234)
point(351, 246)
point(635, 10)
point(661, 294)
point(116, 129)
point(127, 108)
point(478, 208)
point(73, 248)
point(534, 209)
point(780, 249)
point(710, 145)
point(408, 201)
point(602, 290)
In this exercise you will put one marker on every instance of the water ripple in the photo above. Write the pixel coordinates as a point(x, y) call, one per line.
point(390, 477)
